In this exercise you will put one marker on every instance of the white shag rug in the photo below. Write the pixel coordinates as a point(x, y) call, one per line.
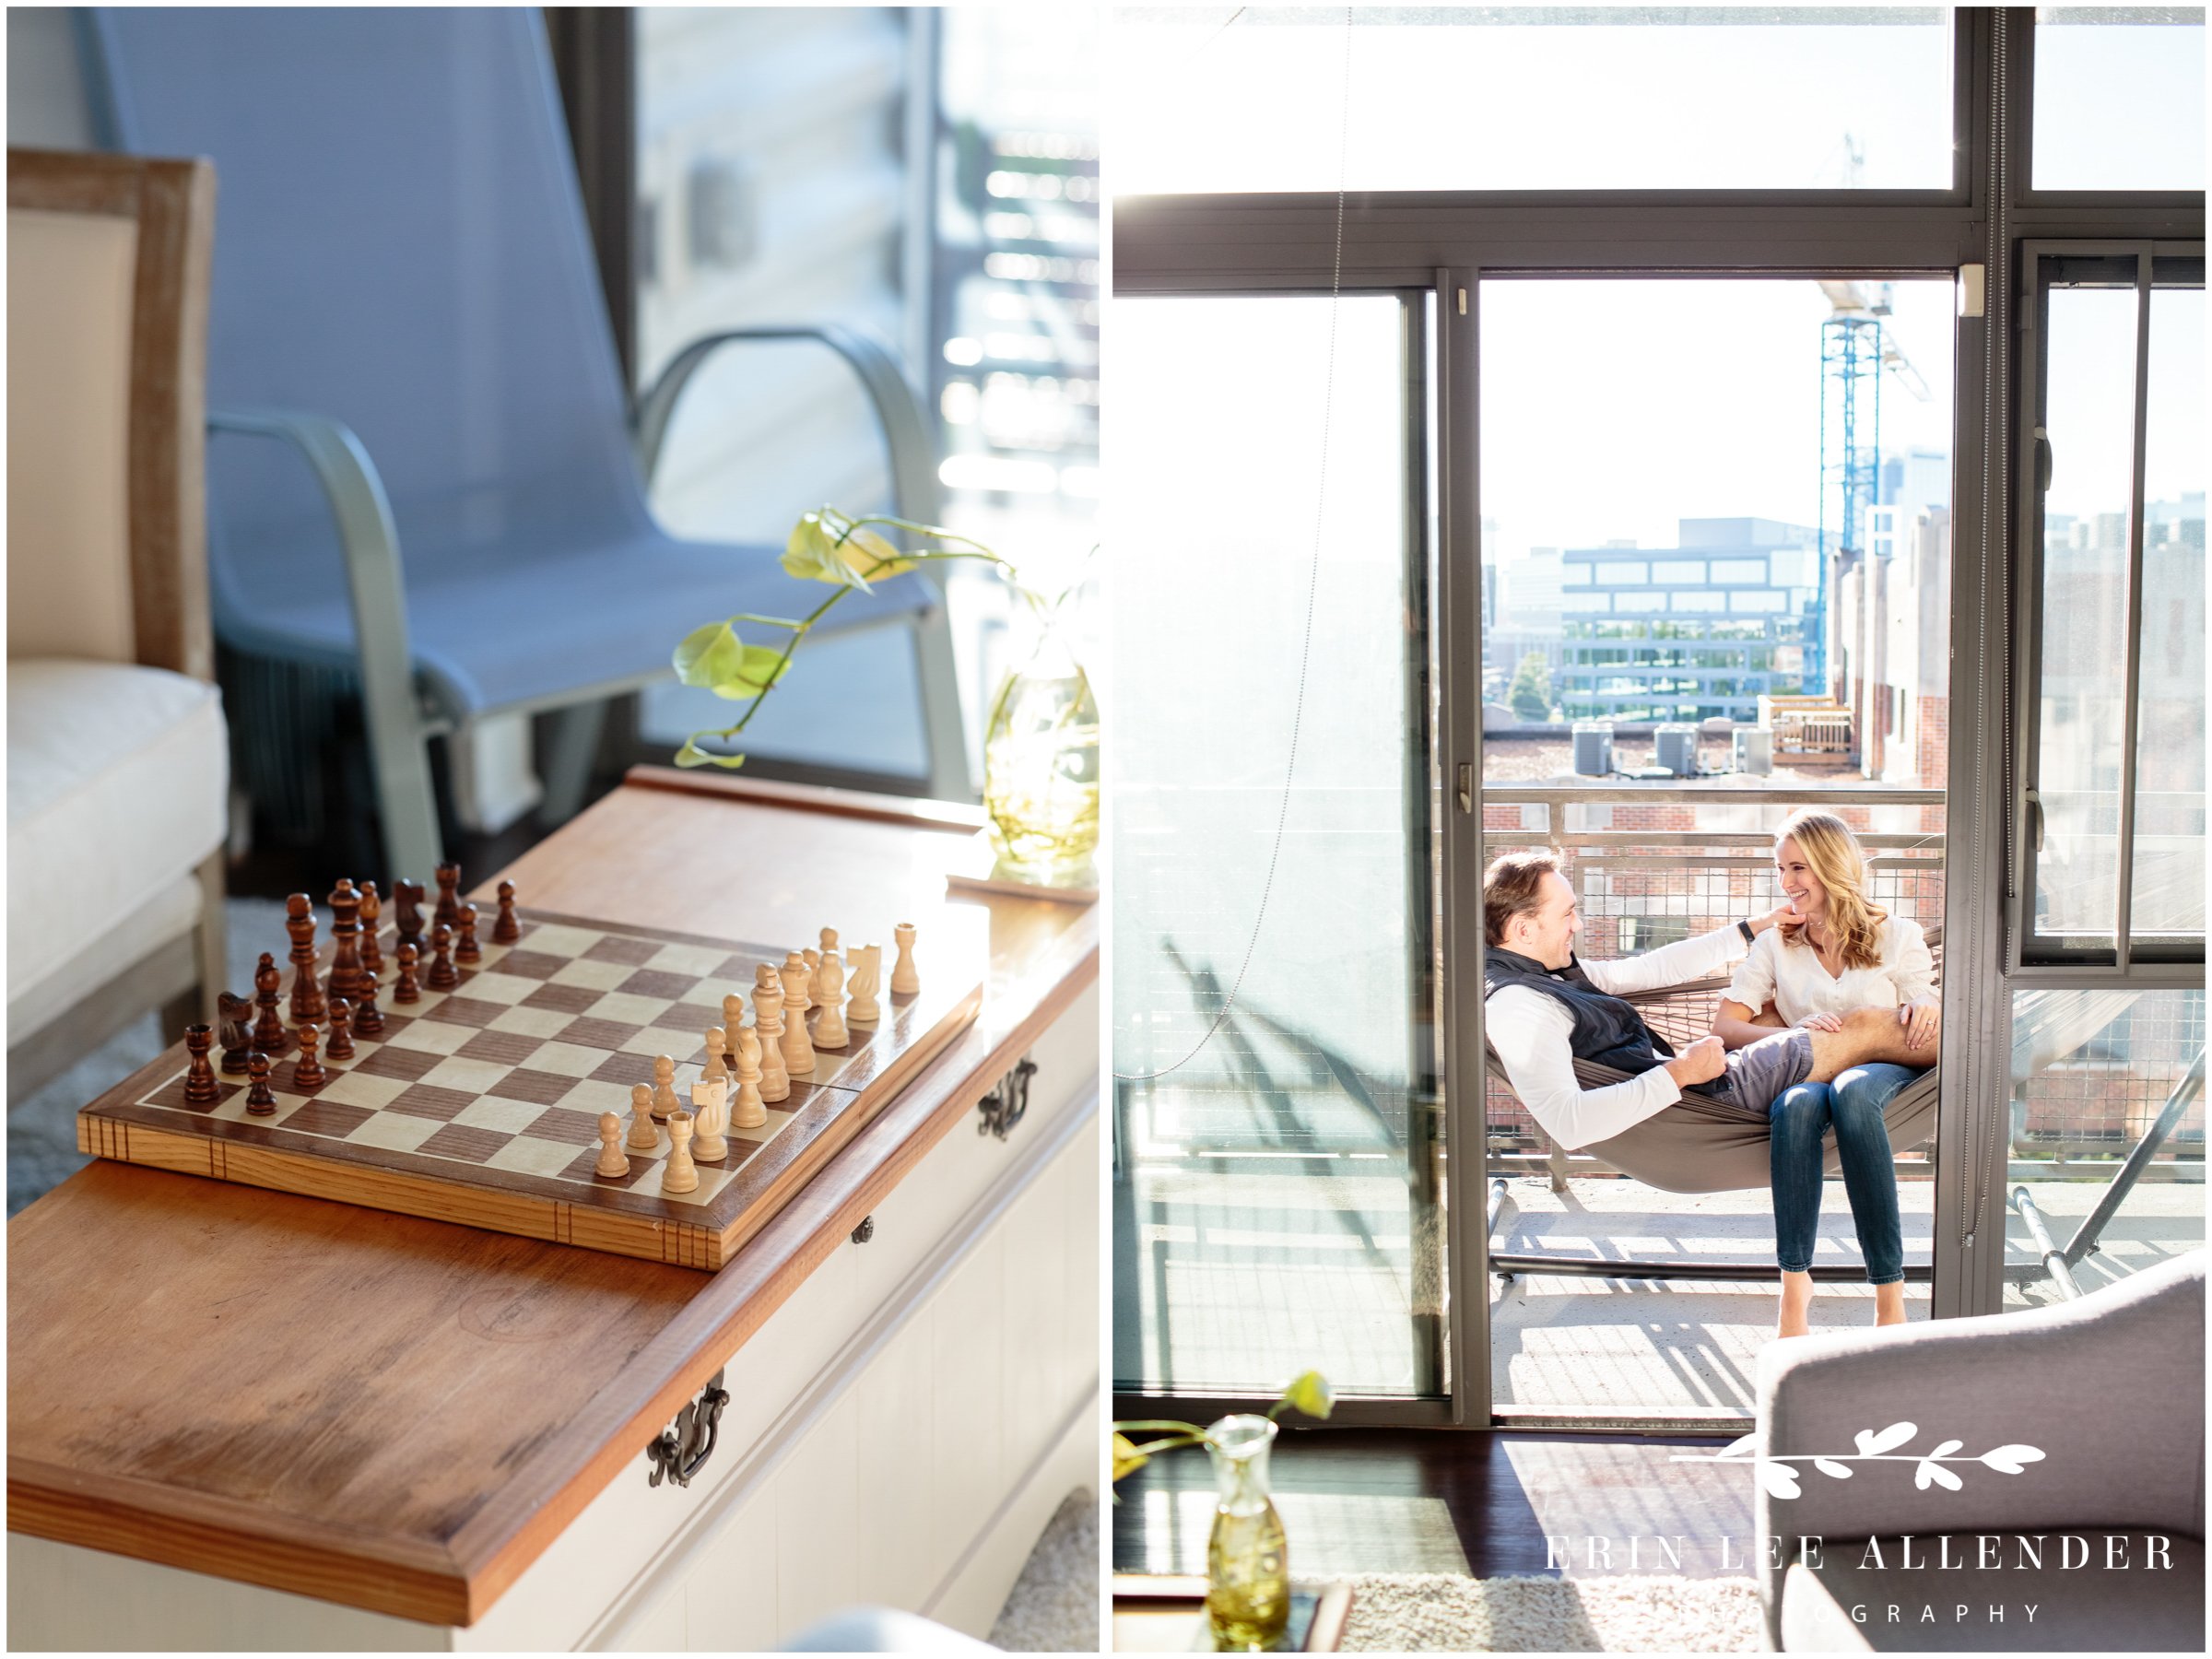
point(1053, 1607)
point(1436, 1612)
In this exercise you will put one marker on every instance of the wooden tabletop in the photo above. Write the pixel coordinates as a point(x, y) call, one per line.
point(398, 1414)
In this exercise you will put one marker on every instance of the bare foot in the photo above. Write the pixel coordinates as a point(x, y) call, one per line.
point(1795, 1318)
point(1889, 1304)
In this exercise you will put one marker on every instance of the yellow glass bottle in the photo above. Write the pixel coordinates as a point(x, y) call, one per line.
point(1247, 1575)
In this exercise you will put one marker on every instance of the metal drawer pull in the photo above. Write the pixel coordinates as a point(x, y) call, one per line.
point(1003, 1107)
point(683, 1448)
point(865, 1230)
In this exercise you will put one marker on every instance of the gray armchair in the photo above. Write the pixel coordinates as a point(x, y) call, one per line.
point(2110, 1388)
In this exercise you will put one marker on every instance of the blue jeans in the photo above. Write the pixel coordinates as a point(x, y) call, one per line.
point(1853, 1104)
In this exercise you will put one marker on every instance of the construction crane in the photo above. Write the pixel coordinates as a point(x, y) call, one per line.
point(1854, 350)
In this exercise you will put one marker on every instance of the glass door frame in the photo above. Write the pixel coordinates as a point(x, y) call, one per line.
point(1447, 241)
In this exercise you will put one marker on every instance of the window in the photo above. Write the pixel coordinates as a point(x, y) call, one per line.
point(1587, 602)
point(1739, 571)
point(1741, 601)
point(1678, 571)
point(1623, 572)
point(2119, 98)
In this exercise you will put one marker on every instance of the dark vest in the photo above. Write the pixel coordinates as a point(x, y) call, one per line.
point(1606, 1029)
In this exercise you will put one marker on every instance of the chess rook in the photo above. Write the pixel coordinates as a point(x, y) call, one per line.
point(643, 1136)
point(201, 1086)
point(612, 1162)
point(371, 911)
point(268, 1030)
point(679, 1174)
point(307, 1071)
point(261, 1100)
point(830, 990)
point(299, 921)
point(448, 914)
point(340, 1046)
point(862, 1008)
point(906, 979)
point(466, 949)
point(443, 975)
point(408, 989)
point(506, 930)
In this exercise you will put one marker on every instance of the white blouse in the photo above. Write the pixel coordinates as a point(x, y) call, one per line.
point(1792, 977)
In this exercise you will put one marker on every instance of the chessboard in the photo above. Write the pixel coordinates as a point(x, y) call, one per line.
point(481, 1104)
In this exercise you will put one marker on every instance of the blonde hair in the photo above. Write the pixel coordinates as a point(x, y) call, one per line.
point(1839, 865)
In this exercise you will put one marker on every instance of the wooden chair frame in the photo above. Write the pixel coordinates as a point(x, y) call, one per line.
point(172, 204)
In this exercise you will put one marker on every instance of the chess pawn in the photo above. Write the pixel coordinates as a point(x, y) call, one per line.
point(367, 1018)
point(269, 1030)
point(813, 959)
point(643, 1136)
point(340, 1046)
point(749, 1113)
point(443, 975)
point(612, 1162)
point(867, 979)
point(506, 930)
point(679, 1174)
point(200, 1087)
point(260, 1100)
point(372, 912)
point(905, 981)
point(299, 921)
point(830, 990)
point(733, 1022)
point(829, 940)
point(408, 989)
point(768, 1017)
point(798, 1049)
point(663, 1088)
point(307, 1071)
point(709, 1117)
point(717, 1045)
point(468, 950)
point(232, 1011)
point(798, 977)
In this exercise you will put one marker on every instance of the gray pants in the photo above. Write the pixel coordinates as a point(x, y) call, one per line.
point(1758, 1072)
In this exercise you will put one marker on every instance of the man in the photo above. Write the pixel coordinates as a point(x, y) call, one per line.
point(1544, 1011)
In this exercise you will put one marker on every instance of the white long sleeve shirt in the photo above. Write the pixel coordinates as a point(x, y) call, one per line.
point(1533, 1035)
point(1791, 975)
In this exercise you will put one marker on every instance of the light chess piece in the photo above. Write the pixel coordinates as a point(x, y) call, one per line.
point(748, 1111)
point(613, 1162)
point(663, 1088)
point(643, 1136)
point(829, 940)
point(830, 990)
point(905, 979)
point(813, 959)
point(681, 1174)
point(768, 1031)
point(867, 979)
point(733, 1021)
point(798, 1052)
point(797, 975)
point(717, 1045)
point(709, 1116)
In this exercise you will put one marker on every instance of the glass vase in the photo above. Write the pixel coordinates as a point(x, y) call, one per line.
point(1248, 1577)
point(1040, 770)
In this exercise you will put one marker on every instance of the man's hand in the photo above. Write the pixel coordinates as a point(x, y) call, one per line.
point(1822, 1022)
point(1699, 1063)
point(1923, 1021)
point(1780, 913)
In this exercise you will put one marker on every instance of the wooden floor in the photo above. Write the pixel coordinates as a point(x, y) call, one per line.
point(1489, 1504)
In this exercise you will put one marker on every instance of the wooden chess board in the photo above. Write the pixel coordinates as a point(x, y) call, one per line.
point(481, 1103)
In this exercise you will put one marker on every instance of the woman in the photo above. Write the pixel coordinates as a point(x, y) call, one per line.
point(1839, 952)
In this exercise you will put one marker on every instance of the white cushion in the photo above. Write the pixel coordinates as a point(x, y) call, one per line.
point(118, 783)
point(34, 1004)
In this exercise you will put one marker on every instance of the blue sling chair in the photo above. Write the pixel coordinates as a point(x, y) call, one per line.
point(451, 519)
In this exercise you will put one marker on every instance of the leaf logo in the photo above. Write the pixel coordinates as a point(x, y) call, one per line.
point(1779, 1479)
point(1873, 1445)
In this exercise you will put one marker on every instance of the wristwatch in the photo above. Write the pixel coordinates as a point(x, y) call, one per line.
point(1745, 928)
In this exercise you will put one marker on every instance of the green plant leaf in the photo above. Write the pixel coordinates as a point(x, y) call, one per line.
point(692, 755)
point(812, 553)
point(755, 669)
point(870, 556)
point(1127, 1459)
point(1311, 1394)
point(707, 654)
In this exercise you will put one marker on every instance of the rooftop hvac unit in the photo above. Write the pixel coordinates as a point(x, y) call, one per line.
point(1592, 749)
point(1677, 750)
point(1754, 749)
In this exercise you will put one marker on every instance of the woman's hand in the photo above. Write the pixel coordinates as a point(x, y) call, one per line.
point(1822, 1022)
point(1923, 1021)
point(1782, 915)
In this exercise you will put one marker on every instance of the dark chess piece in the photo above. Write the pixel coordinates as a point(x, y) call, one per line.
point(200, 1086)
point(299, 921)
point(372, 911)
point(468, 950)
point(261, 1100)
point(506, 930)
point(233, 1014)
point(449, 895)
point(407, 906)
point(345, 940)
point(443, 975)
point(307, 1071)
point(340, 1046)
point(367, 1018)
point(268, 1030)
point(408, 989)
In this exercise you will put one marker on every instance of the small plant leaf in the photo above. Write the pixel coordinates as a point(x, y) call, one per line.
point(1925, 1473)
point(811, 553)
point(1311, 1394)
point(1741, 1444)
point(1873, 1445)
point(1829, 1465)
point(692, 755)
point(1779, 1479)
point(753, 671)
point(870, 556)
point(1126, 1457)
point(707, 654)
point(2009, 1460)
point(1947, 1448)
